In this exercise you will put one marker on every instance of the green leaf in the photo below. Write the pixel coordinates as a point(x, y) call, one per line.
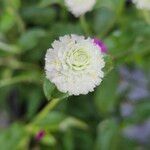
point(59, 95)
point(51, 92)
point(30, 38)
point(39, 16)
point(146, 15)
point(7, 21)
point(108, 135)
point(45, 3)
point(106, 94)
point(115, 5)
point(51, 121)
point(15, 4)
point(48, 88)
point(103, 21)
point(141, 112)
point(72, 122)
point(34, 97)
point(109, 65)
point(68, 142)
point(9, 48)
point(26, 77)
point(107, 13)
point(48, 139)
point(15, 138)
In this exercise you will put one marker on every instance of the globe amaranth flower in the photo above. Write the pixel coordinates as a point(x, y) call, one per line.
point(142, 4)
point(74, 64)
point(40, 135)
point(101, 45)
point(79, 7)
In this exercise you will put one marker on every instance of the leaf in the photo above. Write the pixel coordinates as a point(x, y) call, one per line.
point(51, 92)
point(68, 142)
point(48, 88)
point(14, 137)
point(106, 94)
point(51, 121)
point(45, 3)
point(15, 4)
point(7, 21)
point(9, 48)
point(108, 135)
point(26, 77)
point(39, 16)
point(141, 111)
point(58, 94)
point(108, 64)
point(103, 21)
point(34, 97)
point(73, 122)
point(30, 38)
point(107, 13)
point(115, 5)
point(48, 139)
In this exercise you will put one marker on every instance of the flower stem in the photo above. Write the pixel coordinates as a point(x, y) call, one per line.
point(50, 106)
point(42, 114)
point(146, 16)
point(84, 25)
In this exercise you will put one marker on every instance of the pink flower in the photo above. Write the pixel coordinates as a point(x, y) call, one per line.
point(40, 135)
point(101, 45)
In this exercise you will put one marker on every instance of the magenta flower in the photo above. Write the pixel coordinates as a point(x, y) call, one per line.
point(101, 45)
point(40, 135)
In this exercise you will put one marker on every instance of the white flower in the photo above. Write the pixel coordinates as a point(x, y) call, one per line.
point(142, 4)
point(74, 64)
point(80, 7)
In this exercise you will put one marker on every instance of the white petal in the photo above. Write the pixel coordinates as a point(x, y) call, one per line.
point(79, 7)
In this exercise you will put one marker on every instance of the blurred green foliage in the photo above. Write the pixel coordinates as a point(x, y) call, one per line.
point(94, 121)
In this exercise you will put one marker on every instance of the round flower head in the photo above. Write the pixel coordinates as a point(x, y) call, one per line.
point(142, 4)
point(101, 45)
point(80, 7)
point(74, 64)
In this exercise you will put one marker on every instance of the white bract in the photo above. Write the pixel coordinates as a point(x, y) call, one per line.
point(79, 7)
point(142, 4)
point(74, 64)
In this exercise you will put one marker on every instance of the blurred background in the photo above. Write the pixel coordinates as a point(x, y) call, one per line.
point(116, 116)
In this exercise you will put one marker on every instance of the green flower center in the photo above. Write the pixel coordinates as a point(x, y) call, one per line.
point(77, 59)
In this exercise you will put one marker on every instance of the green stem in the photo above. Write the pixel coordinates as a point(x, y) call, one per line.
point(50, 106)
point(84, 25)
point(146, 16)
